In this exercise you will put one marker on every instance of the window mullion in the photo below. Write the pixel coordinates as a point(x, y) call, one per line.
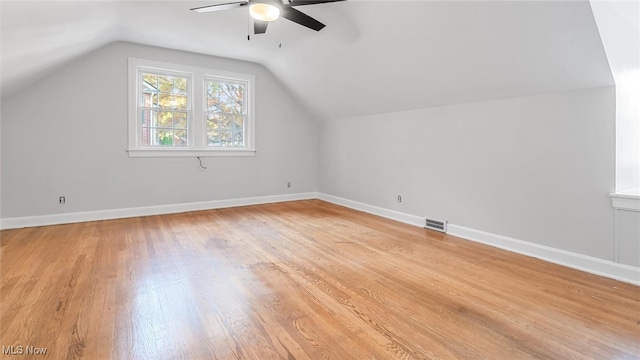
point(196, 127)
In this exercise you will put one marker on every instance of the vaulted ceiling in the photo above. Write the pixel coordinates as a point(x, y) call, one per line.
point(373, 56)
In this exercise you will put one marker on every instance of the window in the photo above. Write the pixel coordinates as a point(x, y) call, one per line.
point(177, 110)
point(164, 109)
point(225, 112)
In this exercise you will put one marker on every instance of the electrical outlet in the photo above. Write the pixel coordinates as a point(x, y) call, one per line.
point(289, 184)
point(62, 200)
point(399, 198)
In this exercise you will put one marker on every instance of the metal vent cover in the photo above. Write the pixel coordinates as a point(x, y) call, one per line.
point(438, 225)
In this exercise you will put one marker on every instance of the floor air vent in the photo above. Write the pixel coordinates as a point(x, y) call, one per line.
point(436, 225)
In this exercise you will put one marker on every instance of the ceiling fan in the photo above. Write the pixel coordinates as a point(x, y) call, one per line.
point(265, 11)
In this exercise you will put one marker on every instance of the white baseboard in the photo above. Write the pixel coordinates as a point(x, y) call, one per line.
point(56, 219)
point(386, 213)
point(573, 260)
point(577, 261)
point(581, 262)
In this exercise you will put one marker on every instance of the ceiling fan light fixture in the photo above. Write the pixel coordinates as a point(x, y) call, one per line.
point(264, 12)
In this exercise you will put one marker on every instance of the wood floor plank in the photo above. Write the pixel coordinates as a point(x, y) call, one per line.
point(298, 280)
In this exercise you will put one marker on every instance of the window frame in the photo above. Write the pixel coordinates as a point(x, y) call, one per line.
point(196, 112)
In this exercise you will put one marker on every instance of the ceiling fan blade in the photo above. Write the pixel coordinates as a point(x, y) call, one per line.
point(218, 7)
point(311, 2)
point(260, 27)
point(303, 19)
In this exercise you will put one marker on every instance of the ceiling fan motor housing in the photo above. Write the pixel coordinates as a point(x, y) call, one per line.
point(267, 13)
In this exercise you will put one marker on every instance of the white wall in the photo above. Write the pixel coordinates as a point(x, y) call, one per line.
point(535, 168)
point(629, 237)
point(66, 134)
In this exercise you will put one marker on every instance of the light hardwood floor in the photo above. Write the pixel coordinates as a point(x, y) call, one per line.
point(299, 280)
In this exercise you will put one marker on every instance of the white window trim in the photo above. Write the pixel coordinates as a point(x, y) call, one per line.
point(197, 132)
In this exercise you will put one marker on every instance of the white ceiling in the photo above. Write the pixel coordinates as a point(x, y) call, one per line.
point(373, 56)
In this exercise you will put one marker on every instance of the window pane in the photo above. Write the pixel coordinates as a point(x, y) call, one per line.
point(180, 138)
point(149, 99)
point(180, 102)
point(165, 119)
point(213, 121)
point(147, 117)
point(238, 123)
point(180, 120)
point(240, 93)
point(213, 104)
point(167, 101)
point(146, 136)
point(151, 80)
point(180, 86)
point(226, 122)
point(238, 139)
point(226, 137)
point(233, 107)
point(149, 96)
point(212, 138)
point(163, 137)
point(165, 83)
point(212, 89)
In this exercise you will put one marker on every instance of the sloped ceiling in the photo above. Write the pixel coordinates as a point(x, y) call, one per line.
point(373, 57)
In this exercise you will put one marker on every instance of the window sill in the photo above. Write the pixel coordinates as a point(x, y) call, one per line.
point(171, 153)
point(626, 200)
